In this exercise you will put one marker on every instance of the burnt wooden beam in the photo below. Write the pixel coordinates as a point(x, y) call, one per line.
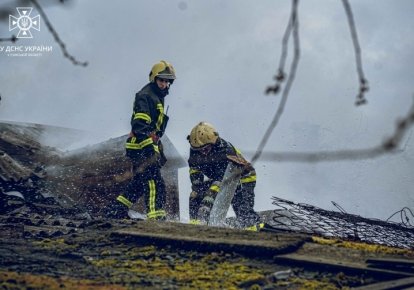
point(12, 170)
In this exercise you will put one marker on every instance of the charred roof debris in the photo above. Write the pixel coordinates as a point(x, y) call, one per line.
point(87, 178)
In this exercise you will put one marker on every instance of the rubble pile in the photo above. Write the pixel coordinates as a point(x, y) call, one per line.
point(89, 177)
point(22, 163)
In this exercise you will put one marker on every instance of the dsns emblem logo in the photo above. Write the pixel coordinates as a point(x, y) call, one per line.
point(24, 22)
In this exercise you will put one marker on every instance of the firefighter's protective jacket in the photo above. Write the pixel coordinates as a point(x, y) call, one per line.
point(148, 122)
point(214, 164)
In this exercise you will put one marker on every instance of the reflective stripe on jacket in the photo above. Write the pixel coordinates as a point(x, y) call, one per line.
point(147, 118)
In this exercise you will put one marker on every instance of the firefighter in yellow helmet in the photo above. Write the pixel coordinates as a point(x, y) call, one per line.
point(144, 148)
point(209, 157)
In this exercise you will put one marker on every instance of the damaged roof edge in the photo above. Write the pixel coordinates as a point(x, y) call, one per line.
point(54, 136)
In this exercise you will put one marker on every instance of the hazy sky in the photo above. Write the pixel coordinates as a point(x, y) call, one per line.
point(225, 54)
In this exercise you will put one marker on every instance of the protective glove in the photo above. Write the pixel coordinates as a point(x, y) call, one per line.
point(193, 205)
point(206, 206)
point(155, 138)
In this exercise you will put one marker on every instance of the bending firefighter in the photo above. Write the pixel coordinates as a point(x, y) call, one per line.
point(209, 158)
point(144, 147)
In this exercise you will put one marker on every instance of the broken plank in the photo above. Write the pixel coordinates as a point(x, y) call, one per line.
point(402, 265)
point(210, 239)
point(323, 263)
point(389, 261)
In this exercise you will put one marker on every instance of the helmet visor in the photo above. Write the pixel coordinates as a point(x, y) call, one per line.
point(164, 80)
point(203, 149)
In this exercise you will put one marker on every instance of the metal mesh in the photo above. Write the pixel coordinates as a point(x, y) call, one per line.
point(305, 218)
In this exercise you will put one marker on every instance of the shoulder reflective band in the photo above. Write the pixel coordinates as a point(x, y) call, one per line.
point(142, 116)
point(247, 179)
point(124, 201)
point(194, 171)
point(156, 148)
point(132, 145)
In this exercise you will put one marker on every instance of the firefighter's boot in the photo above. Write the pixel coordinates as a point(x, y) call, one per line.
point(117, 211)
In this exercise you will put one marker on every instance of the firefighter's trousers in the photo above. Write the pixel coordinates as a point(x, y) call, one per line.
point(150, 184)
point(242, 203)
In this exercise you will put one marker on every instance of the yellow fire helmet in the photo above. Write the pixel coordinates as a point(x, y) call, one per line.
point(162, 70)
point(202, 134)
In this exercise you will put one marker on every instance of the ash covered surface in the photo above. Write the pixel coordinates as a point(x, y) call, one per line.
point(41, 250)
